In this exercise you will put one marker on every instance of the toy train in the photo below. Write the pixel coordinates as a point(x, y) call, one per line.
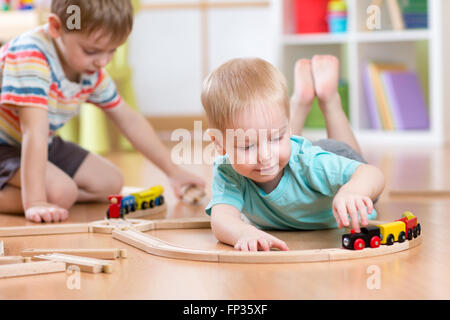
point(404, 228)
point(120, 206)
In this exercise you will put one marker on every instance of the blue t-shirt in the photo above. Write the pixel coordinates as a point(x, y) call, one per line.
point(303, 198)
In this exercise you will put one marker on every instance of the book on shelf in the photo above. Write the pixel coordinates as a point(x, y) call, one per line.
point(316, 119)
point(385, 113)
point(371, 100)
point(406, 100)
point(415, 13)
point(394, 97)
point(406, 14)
point(395, 14)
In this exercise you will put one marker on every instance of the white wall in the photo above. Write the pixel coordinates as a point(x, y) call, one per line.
point(446, 68)
point(166, 52)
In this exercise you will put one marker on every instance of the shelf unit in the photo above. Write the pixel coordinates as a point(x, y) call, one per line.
point(420, 49)
point(14, 23)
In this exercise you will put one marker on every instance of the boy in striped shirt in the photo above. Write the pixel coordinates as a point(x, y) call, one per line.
point(45, 76)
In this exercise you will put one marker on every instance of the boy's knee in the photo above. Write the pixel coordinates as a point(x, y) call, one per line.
point(116, 182)
point(111, 183)
point(63, 194)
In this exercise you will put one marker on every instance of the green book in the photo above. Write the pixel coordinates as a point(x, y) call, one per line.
point(316, 120)
point(414, 6)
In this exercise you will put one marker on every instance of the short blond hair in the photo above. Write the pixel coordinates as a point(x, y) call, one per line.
point(240, 84)
point(114, 17)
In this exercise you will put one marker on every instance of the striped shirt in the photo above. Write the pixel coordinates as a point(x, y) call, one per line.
point(31, 75)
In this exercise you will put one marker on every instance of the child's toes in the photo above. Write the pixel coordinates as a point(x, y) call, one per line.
point(326, 76)
point(304, 83)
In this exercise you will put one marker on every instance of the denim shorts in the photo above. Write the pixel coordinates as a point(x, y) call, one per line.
point(67, 156)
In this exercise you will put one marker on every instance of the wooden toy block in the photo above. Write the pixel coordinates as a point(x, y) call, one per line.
point(43, 230)
point(2, 249)
point(85, 264)
point(14, 259)
point(193, 195)
point(32, 268)
point(108, 254)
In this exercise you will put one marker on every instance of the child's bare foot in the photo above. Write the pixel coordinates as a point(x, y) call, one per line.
point(325, 69)
point(326, 78)
point(46, 212)
point(304, 85)
point(304, 94)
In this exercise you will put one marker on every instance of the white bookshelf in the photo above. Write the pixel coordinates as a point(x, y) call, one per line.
point(14, 23)
point(357, 46)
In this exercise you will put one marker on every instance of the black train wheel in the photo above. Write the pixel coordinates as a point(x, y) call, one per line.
point(402, 237)
point(410, 234)
point(390, 240)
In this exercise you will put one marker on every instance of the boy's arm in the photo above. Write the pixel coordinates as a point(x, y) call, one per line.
point(143, 137)
point(34, 127)
point(228, 228)
point(367, 180)
point(366, 184)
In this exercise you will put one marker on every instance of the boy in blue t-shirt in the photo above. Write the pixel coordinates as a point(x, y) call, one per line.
point(275, 179)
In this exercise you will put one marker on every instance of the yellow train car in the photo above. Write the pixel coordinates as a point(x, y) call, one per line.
point(149, 198)
point(392, 232)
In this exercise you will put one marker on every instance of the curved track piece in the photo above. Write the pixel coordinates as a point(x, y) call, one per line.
point(161, 248)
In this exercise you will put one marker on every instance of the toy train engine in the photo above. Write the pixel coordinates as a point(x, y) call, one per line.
point(368, 237)
point(115, 209)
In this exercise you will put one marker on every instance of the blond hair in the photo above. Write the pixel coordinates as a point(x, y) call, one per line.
point(240, 84)
point(113, 17)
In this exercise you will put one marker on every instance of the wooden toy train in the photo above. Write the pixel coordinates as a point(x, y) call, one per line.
point(119, 206)
point(404, 228)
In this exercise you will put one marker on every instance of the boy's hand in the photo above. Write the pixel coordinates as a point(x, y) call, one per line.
point(255, 240)
point(345, 204)
point(46, 212)
point(180, 178)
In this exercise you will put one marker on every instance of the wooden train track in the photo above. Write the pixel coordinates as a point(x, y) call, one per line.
point(162, 248)
point(131, 232)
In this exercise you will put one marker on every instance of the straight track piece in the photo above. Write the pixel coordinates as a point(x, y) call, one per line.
point(32, 268)
point(85, 264)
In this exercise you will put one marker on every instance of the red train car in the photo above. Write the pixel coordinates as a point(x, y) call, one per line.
point(413, 228)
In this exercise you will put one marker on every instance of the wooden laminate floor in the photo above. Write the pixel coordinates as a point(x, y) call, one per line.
point(418, 180)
